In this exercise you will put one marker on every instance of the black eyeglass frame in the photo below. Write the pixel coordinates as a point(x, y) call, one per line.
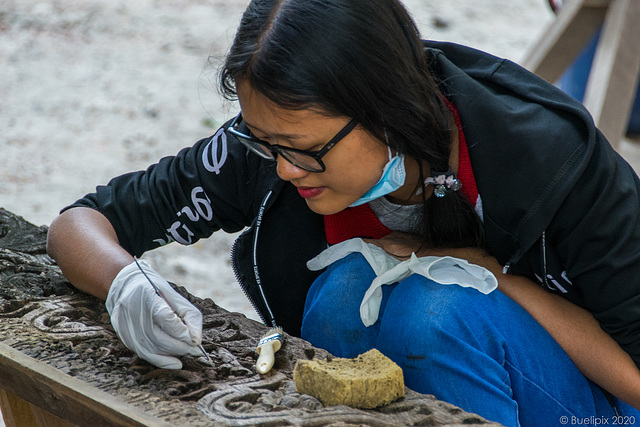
point(275, 149)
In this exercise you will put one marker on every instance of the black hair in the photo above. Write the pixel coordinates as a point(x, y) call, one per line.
point(358, 59)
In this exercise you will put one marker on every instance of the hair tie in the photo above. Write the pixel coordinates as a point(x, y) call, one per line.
point(443, 182)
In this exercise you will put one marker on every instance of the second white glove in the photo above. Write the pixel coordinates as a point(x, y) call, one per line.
point(147, 324)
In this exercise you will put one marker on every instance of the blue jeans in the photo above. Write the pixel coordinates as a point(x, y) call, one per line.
point(483, 353)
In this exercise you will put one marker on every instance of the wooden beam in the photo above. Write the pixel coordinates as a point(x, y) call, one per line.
point(65, 397)
point(18, 412)
point(613, 81)
point(565, 38)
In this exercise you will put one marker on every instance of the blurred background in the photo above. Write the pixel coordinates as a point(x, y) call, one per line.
point(92, 89)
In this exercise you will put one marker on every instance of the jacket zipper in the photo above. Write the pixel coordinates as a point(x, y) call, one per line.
point(271, 321)
point(516, 257)
point(506, 267)
point(544, 260)
point(241, 283)
point(543, 255)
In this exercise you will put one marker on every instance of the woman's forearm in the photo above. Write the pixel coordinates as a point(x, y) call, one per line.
point(594, 352)
point(86, 248)
point(598, 356)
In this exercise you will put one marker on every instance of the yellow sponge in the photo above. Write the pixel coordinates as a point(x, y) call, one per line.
point(368, 381)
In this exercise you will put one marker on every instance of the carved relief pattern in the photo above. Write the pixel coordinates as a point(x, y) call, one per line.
point(273, 401)
point(42, 316)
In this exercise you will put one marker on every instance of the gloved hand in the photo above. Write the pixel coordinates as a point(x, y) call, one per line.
point(146, 324)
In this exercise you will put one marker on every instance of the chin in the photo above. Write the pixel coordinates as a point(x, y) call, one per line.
point(324, 208)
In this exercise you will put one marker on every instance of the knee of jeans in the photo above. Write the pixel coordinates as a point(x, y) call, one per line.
point(332, 311)
point(436, 300)
point(352, 265)
point(420, 312)
point(345, 277)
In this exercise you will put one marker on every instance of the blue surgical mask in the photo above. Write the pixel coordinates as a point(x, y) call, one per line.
point(393, 176)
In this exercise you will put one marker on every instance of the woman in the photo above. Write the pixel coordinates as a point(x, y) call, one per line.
point(352, 127)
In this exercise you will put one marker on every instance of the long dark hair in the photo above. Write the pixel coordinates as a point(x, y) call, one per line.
point(359, 59)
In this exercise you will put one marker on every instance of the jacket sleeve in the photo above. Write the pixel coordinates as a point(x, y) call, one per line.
point(596, 233)
point(183, 198)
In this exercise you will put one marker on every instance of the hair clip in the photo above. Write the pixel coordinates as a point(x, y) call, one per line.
point(443, 182)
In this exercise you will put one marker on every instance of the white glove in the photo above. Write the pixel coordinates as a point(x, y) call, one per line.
point(146, 324)
point(443, 270)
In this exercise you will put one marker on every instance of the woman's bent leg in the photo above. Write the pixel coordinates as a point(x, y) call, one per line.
point(332, 310)
point(485, 354)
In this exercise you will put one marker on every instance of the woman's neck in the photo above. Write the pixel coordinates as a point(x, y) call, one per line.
point(406, 195)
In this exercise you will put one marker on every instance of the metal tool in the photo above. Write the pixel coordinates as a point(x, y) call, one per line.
point(159, 293)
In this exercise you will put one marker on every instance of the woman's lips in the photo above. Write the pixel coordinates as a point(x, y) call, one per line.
point(310, 192)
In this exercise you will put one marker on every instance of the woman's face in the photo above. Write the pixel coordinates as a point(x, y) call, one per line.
point(353, 165)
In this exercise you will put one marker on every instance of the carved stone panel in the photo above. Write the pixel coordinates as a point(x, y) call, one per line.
point(44, 317)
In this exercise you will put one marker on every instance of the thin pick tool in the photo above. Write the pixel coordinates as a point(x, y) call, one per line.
point(159, 293)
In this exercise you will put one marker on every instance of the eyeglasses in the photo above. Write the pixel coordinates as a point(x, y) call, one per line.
point(310, 161)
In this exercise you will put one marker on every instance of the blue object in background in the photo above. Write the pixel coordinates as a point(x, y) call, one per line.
point(574, 82)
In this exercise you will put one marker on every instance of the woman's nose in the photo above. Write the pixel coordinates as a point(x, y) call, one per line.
point(288, 171)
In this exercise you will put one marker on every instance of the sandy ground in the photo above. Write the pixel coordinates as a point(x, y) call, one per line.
point(91, 89)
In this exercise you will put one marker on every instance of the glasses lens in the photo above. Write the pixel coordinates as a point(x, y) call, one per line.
point(256, 147)
point(266, 151)
point(301, 160)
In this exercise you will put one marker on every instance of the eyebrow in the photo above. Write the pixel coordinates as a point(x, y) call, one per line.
point(277, 135)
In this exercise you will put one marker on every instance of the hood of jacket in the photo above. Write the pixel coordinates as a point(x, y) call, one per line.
point(525, 137)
